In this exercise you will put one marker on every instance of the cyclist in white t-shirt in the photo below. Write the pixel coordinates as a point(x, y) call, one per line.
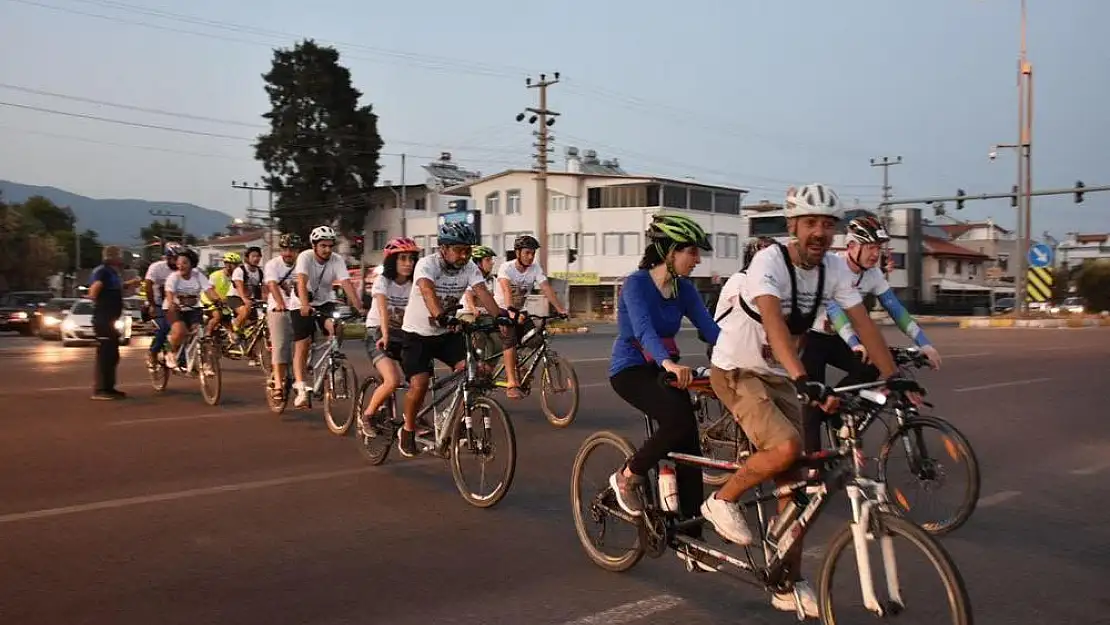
point(757, 372)
point(316, 270)
point(281, 298)
point(384, 336)
point(481, 256)
point(441, 279)
point(183, 290)
point(515, 279)
point(247, 282)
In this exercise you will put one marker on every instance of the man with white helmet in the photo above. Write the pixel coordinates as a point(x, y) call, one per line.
point(757, 371)
point(316, 270)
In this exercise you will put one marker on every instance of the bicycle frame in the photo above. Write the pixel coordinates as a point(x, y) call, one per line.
point(825, 473)
point(190, 348)
point(328, 352)
point(531, 360)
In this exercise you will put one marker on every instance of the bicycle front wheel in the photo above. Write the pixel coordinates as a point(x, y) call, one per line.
point(559, 380)
point(376, 437)
point(932, 463)
point(947, 604)
point(484, 434)
point(211, 379)
point(594, 504)
point(339, 389)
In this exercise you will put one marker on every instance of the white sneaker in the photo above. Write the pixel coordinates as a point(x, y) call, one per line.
point(786, 602)
point(301, 400)
point(727, 519)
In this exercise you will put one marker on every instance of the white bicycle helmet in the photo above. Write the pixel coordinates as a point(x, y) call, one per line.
point(321, 233)
point(812, 199)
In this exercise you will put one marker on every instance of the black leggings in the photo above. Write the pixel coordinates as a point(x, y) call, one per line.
point(820, 351)
point(677, 430)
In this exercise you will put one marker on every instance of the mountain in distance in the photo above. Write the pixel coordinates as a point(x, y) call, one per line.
point(118, 221)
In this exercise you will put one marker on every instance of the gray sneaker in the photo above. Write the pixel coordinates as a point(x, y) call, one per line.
point(627, 490)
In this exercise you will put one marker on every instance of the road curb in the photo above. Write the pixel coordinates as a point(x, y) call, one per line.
point(1069, 324)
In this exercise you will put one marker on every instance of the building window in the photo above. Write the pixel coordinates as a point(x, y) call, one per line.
point(512, 202)
point(557, 242)
point(959, 267)
point(611, 245)
point(652, 195)
point(589, 245)
point(942, 266)
point(593, 197)
point(421, 204)
point(701, 200)
point(899, 260)
point(630, 244)
point(674, 197)
point(768, 226)
point(379, 239)
point(972, 269)
point(558, 203)
point(493, 203)
point(719, 245)
point(421, 242)
point(727, 203)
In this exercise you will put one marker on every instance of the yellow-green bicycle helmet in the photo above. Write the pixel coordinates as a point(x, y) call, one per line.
point(478, 252)
point(671, 230)
point(233, 257)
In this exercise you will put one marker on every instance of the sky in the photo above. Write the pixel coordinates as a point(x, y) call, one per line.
point(755, 94)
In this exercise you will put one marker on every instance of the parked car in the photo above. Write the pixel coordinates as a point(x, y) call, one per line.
point(133, 307)
point(77, 329)
point(1003, 305)
point(18, 308)
point(51, 317)
point(1070, 306)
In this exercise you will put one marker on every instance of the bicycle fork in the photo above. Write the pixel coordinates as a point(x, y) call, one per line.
point(862, 519)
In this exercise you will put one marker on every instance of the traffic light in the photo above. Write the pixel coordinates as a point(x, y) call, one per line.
point(356, 245)
point(960, 201)
point(572, 255)
point(1079, 193)
point(1014, 200)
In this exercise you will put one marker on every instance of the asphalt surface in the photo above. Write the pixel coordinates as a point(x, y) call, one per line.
point(160, 509)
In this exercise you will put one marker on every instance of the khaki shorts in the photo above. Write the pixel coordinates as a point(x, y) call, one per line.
point(767, 407)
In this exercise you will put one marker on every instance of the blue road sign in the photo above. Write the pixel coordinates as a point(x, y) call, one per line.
point(1040, 255)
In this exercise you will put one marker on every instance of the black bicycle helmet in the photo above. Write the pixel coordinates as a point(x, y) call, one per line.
point(457, 233)
point(526, 242)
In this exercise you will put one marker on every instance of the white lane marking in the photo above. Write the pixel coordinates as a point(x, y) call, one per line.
point(985, 387)
point(593, 385)
point(88, 387)
point(813, 552)
point(177, 495)
point(997, 498)
point(971, 355)
point(1091, 470)
point(203, 415)
point(630, 612)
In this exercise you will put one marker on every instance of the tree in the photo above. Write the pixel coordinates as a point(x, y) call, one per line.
point(1094, 285)
point(163, 232)
point(321, 153)
point(28, 254)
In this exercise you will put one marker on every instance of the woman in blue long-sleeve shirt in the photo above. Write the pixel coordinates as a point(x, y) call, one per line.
point(649, 314)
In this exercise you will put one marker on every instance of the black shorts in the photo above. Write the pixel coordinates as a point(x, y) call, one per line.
point(234, 302)
point(392, 348)
point(419, 353)
point(189, 317)
point(305, 327)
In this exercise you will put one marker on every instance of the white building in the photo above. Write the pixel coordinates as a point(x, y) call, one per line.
point(1079, 248)
point(211, 252)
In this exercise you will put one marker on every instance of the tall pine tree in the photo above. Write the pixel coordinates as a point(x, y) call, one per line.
point(321, 153)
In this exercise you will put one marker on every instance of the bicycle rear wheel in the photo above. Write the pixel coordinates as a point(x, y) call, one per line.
point(926, 464)
point(159, 373)
point(591, 503)
point(339, 387)
point(375, 440)
point(476, 440)
point(953, 608)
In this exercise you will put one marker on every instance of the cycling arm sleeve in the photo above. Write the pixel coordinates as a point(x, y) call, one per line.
point(902, 318)
point(840, 323)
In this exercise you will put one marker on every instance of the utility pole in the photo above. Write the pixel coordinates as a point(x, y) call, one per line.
point(404, 203)
point(268, 221)
point(1025, 81)
point(886, 164)
point(545, 119)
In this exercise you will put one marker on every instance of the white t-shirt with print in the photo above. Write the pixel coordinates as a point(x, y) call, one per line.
point(252, 279)
point(728, 291)
point(448, 286)
point(520, 283)
point(396, 298)
point(186, 291)
point(285, 276)
point(321, 276)
point(157, 274)
point(868, 282)
point(742, 343)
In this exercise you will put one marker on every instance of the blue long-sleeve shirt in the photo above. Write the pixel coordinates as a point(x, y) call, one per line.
point(645, 319)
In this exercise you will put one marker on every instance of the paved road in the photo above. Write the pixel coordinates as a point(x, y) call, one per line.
point(160, 509)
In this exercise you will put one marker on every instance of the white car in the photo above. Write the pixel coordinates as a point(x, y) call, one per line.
point(77, 329)
point(1071, 305)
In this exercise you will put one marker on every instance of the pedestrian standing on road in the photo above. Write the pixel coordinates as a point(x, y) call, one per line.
point(106, 291)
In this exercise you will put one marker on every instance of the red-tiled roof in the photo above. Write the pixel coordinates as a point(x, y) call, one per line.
point(940, 247)
point(1091, 238)
point(957, 230)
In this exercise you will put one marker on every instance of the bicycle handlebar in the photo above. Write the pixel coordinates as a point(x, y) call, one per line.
point(910, 357)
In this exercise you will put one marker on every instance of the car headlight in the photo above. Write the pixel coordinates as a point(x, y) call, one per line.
point(19, 316)
point(119, 325)
point(68, 325)
point(50, 321)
